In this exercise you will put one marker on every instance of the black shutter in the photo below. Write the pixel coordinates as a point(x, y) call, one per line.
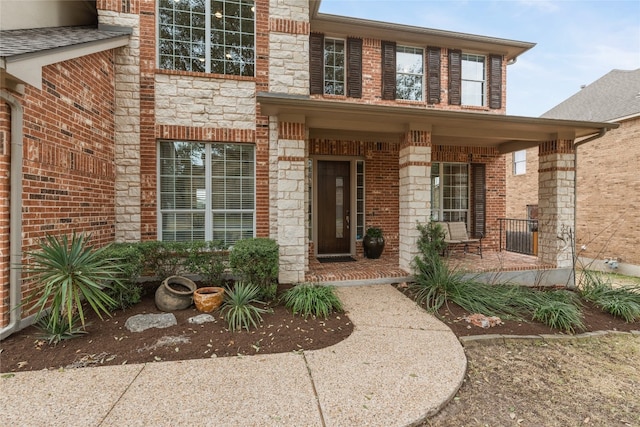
point(478, 173)
point(495, 81)
point(433, 75)
point(388, 70)
point(316, 63)
point(455, 77)
point(354, 68)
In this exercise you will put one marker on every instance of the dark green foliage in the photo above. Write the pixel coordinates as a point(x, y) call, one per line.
point(208, 260)
point(561, 315)
point(312, 300)
point(256, 261)
point(66, 273)
point(130, 262)
point(374, 232)
point(164, 259)
point(621, 302)
point(238, 308)
point(55, 331)
point(431, 238)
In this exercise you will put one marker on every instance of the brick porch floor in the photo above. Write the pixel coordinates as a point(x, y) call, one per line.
point(386, 270)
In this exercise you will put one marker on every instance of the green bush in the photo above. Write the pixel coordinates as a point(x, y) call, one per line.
point(207, 259)
point(66, 273)
point(256, 261)
point(164, 259)
point(431, 240)
point(238, 307)
point(561, 315)
point(312, 300)
point(130, 262)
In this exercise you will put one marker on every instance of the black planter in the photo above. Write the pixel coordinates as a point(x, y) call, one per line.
point(373, 246)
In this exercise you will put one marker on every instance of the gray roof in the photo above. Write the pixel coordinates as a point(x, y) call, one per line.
point(614, 96)
point(19, 42)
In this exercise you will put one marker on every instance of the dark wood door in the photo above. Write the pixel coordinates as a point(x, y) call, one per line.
point(334, 204)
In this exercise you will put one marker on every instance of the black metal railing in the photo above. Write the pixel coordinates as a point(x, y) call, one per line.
point(519, 235)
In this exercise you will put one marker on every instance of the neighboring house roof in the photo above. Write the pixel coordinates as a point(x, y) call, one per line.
point(614, 96)
point(23, 53)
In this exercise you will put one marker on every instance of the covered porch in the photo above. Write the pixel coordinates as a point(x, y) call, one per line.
point(386, 270)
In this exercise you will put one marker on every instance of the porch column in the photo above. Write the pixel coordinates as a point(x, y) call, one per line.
point(556, 202)
point(290, 204)
point(415, 192)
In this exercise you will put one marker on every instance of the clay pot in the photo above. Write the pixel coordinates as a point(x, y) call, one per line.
point(373, 246)
point(175, 293)
point(208, 299)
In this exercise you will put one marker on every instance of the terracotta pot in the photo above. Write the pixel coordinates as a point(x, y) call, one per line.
point(208, 299)
point(175, 293)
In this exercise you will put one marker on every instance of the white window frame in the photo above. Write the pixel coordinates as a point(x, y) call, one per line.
point(520, 162)
point(438, 181)
point(208, 29)
point(208, 209)
point(472, 97)
point(342, 82)
point(400, 73)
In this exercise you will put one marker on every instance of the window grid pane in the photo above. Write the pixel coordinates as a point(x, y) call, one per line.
point(473, 79)
point(226, 46)
point(450, 192)
point(196, 177)
point(409, 73)
point(334, 67)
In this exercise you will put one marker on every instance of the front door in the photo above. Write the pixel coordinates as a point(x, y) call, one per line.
point(334, 204)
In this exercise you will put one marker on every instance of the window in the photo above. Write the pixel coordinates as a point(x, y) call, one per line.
point(520, 162)
point(450, 192)
point(409, 73)
point(209, 36)
point(207, 191)
point(334, 67)
point(473, 79)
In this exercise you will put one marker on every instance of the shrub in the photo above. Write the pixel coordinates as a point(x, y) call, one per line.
point(312, 299)
point(431, 238)
point(621, 302)
point(256, 261)
point(69, 272)
point(55, 331)
point(238, 308)
point(130, 262)
point(207, 259)
point(558, 314)
point(164, 259)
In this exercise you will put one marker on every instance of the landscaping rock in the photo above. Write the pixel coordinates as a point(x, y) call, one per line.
point(201, 318)
point(142, 322)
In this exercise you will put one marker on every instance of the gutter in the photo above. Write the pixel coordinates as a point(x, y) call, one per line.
point(15, 217)
point(600, 134)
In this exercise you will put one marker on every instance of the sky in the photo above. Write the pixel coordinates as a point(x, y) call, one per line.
point(577, 42)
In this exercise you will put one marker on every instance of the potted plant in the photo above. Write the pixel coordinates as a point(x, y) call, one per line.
point(373, 243)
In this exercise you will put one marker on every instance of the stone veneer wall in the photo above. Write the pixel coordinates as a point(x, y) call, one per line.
point(291, 208)
point(557, 200)
point(127, 128)
point(414, 192)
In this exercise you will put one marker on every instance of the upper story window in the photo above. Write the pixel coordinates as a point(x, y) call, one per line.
point(520, 162)
point(409, 73)
point(210, 36)
point(334, 67)
point(473, 79)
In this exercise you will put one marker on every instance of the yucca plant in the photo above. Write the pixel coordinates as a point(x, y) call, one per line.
point(66, 273)
point(238, 307)
point(312, 300)
point(60, 330)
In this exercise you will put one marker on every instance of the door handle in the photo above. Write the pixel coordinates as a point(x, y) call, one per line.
point(347, 220)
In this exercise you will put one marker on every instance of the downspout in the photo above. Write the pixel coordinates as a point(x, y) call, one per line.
point(15, 217)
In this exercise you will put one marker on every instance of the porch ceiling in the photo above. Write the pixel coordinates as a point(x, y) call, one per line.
point(344, 119)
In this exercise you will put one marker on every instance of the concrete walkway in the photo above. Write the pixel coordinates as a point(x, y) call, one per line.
point(399, 366)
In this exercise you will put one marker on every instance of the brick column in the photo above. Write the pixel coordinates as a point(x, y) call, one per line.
point(556, 202)
point(415, 192)
point(291, 212)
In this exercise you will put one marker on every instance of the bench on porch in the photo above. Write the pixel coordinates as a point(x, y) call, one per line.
point(455, 234)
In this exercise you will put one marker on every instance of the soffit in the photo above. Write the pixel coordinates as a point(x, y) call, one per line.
point(407, 34)
point(350, 120)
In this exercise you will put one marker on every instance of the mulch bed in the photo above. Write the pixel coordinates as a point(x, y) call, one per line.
point(109, 343)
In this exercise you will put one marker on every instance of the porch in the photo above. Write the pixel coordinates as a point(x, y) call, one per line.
point(386, 270)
